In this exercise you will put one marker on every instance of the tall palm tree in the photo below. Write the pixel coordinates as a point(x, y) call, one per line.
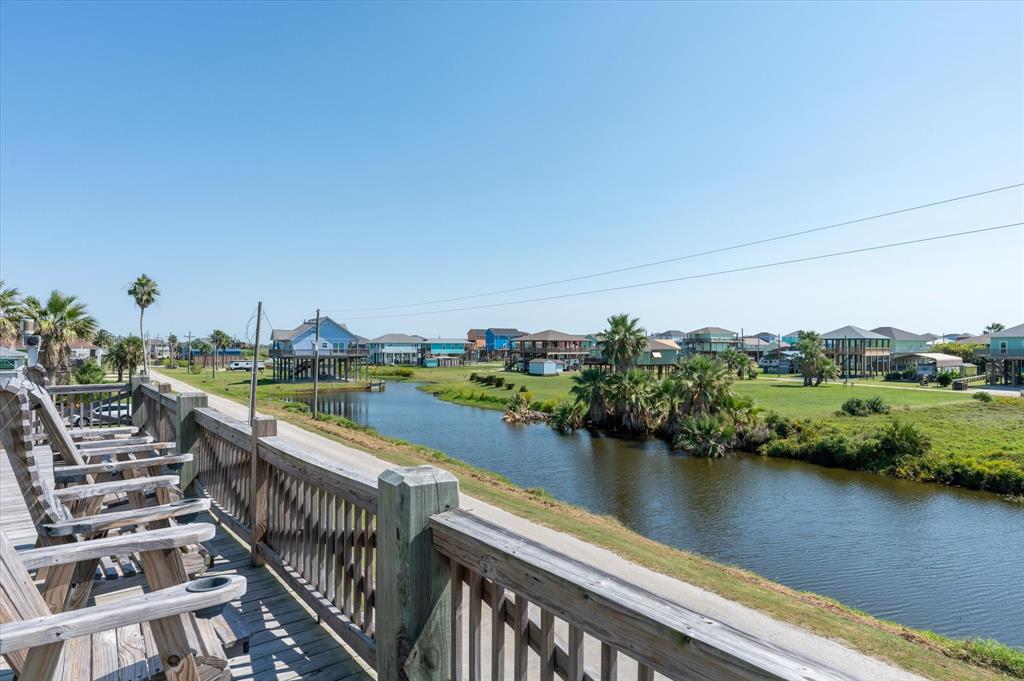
point(60, 322)
point(145, 291)
point(825, 370)
point(219, 339)
point(589, 387)
point(811, 354)
point(735, 360)
point(623, 341)
point(11, 312)
point(172, 347)
point(991, 328)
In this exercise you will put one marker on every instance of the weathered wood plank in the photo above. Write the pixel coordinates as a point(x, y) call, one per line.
point(330, 476)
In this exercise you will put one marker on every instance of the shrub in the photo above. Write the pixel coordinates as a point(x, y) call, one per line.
point(944, 378)
point(489, 380)
point(499, 381)
point(909, 374)
point(568, 416)
point(894, 376)
point(509, 386)
point(778, 424)
point(877, 405)
point(901, 439)
point(90, 372)
point(855, 407)
point(523, 389)
point(708, 436)
point(473, 376)
point(982, 396)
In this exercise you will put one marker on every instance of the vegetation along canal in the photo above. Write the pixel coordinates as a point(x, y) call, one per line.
point(923, 555)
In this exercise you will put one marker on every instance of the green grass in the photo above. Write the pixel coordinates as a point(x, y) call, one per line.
point(923, 652)
point(792, 399)
point(236, 383)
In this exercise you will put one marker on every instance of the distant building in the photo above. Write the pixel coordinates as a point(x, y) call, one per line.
point(674, 335)
point(477, 338)
point(710, 340)
point(766, 336)
point(394, 348)
point(543, 366)
point(1006, 356)
point(903, 342)
point(12, 362)
point(754, 346)
point(443, 352)
point(293, 351)
point(83, 351)
point(570, 349)
point(858, 352)
point(791, 338)
point(498, 341)
point(660, 354)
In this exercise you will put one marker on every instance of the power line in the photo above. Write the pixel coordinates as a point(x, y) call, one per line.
point(698, 276)
point(684, 257)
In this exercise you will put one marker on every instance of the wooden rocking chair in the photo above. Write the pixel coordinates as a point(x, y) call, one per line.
point(90, 643)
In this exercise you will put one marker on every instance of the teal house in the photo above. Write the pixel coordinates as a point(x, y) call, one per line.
point(1006, 356)
point(444, 352)
point(710, 340)
point(904, 342)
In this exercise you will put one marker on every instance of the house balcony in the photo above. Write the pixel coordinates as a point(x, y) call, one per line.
point(324, 354)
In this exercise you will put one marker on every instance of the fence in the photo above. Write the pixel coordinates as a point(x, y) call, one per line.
point(412, 583)
point(101, 404)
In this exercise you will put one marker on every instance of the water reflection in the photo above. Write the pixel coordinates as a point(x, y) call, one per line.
point(926, 556)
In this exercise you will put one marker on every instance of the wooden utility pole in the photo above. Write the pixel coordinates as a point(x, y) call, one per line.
point(316, 364)
point(189, 367)
point(255, 363)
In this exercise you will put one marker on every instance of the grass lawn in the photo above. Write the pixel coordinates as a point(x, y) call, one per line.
point(922, 652)
point(792, 399)
point(236, 383)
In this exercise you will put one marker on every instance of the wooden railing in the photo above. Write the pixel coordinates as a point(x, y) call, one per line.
point(414, 585)
point(95, 405)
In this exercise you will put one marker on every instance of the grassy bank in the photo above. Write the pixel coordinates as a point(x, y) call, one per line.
point(235, 384)
point(922, 652)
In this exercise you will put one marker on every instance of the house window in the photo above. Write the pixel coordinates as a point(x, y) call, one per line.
point(1002, 347)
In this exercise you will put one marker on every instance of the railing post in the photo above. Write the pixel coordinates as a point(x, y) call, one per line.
point(413, 580)
point(185, 428)
point(262, 426)
point(135, 384)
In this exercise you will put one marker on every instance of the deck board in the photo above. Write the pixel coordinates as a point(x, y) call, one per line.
point(286, 643)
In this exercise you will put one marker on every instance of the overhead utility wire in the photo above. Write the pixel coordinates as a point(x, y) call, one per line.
point(684, 257)
point(697, 276)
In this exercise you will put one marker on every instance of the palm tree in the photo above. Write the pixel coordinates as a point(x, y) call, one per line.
point(11, 312)
point(60, 322)
point(991, 328)
point(219, 339)
point(826, 370)
point(172, 348)
point(590, 388)
point(706, 383)
point(145, 291)
point(635, 399)
point(811, 355)
point(733, 359)
point(623, 341)
point(705, 435)
point(125, 355)
point(104, 339)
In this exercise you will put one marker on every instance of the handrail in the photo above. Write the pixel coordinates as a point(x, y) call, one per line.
point(334, 478)
point(81, 388)
point(234, 431)
point(660, 635)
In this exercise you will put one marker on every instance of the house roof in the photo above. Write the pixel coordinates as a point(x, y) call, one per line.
point(459, 341)
point(671, 333)
point(931, 336)
point(951, 360)
point(1012, 332)
point(658, 344)
point(397, 338)
point(82, 345)
point(899, 334)
point(776, 345)
point(11, 352)
point(974, 340)
point(506, 332)
point(755, 340)
point(851, 331)
point(792, 334)
point(551, 335)
point(712, 329)
point(289, 334)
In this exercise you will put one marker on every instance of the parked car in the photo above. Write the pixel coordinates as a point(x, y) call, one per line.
point(245, 365)
point(108, 414)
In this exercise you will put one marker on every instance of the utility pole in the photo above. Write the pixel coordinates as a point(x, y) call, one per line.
point(316, 364)
point(255, 363)
point(189, 367)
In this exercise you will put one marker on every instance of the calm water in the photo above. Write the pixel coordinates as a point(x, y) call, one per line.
point(927, 556)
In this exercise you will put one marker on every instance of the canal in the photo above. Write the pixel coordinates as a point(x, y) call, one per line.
point(923, 555)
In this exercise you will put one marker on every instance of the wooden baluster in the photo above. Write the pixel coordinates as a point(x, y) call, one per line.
point(476, 590)
point(456, 633)
point(547, 646)
point(497, 632)
point(574, 647)
point(368, 568)
point(521, 638)
point(259, 496)
point(644, 673)
point(348, 550)
point(357, 565)
point(609, 663)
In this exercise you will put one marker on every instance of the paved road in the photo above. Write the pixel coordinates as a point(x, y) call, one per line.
point(704, 602)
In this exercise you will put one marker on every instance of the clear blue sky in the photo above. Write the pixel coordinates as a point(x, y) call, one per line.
point(349, 156)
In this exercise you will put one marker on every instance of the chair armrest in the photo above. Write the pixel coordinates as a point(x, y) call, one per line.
point(115, 442)
point(66, 473)
point(201, 593)
point(100, 489)
point(129, 518)
point(135, 542)
point(124, 449)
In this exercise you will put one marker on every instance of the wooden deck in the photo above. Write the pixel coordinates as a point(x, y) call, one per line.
point(286, 643)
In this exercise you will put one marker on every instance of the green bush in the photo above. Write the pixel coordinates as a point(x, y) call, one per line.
point(499, 381)
point(901, 438)
point(982, 396)
point(509, 386)
point(88, 373)
point(473, 376)
point(944, 378)
point(877, 405)
point(855, 407)
point(523, 389)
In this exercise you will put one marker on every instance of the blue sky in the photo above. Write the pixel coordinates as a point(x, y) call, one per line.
point(354, 156)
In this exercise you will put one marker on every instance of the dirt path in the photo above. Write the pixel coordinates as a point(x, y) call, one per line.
point(705, 602)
